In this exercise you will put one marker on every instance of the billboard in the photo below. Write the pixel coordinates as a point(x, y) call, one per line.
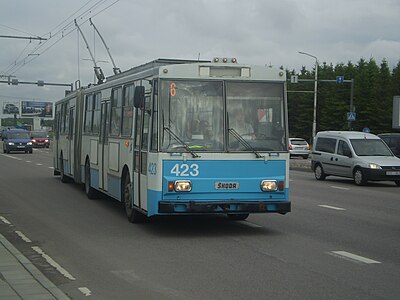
point(11, 108)
point(36, 109)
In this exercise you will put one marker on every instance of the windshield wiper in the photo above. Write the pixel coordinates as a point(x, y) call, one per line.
point(194, 154)
point(241, 140)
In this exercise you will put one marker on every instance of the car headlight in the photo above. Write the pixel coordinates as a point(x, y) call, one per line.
point(374, 166)
point(34, 141)
point(269, 185)
point(180, 186)
point(29, 143)
point(11, 143)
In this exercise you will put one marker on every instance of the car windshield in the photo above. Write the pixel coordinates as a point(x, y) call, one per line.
point(18, 135)
point(38, 134)
point(370, 147)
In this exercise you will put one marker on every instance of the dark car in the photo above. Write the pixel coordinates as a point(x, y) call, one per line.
point(40, 139)
point(17, 140)
point(393, 141)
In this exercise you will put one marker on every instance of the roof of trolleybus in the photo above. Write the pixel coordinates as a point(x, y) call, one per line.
point(181, 68)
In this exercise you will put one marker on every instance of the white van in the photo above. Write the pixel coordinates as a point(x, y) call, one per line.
point(358, 155)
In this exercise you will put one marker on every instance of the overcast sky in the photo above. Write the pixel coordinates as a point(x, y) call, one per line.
point(260, 32)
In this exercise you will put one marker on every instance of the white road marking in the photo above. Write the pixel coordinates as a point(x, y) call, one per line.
point(23, 237)
point(39, 164)
point(249, 224)
point(13, 157)
point(339, 187)
point(28, 161)
point(355, 257)
point(85, 291)
point(51, 167)
point(331, 207)
point(53, 263)
point(5, 221)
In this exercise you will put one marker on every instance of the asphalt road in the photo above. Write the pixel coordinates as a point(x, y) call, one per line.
point(340, 241)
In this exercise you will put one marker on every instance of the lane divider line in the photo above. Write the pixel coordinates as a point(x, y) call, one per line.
point(23, 236)
point(354, 257)
point(85, 291)
point(5, 221)
point(339, 187)
point(331, 207)
point(53, 263)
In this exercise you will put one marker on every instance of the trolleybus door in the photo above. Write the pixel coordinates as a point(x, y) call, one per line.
point(103, 144)
point(141, 154)
point(71, 140)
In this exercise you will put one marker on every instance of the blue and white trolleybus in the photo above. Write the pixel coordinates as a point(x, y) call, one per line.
point(179, 137)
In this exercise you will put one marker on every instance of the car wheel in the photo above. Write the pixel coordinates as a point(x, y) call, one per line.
point(134, 216)
point(319, 172)
point(397, 182)
point(237, 217)
point(305, 156)
point(359, 177)
point(91, 193)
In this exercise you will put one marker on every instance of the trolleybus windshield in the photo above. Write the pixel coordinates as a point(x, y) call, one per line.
point(196, 116)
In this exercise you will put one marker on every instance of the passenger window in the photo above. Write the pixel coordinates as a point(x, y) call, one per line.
point(325, 145)
point(343, 149)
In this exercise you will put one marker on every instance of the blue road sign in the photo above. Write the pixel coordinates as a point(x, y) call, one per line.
point(339, 79)
point(351, 116)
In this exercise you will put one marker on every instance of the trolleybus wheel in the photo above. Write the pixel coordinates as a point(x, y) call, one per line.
point(91, 193)
point(237, 217)
point(134, 216)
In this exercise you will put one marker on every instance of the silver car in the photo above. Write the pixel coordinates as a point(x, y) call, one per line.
point(361, 156)
point(298, 147)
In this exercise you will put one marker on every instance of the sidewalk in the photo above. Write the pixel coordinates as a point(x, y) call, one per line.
point(20, 279)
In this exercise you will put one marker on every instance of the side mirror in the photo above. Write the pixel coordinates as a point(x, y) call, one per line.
point(138, 97)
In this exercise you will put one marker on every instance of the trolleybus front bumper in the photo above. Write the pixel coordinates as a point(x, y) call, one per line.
point(224, 207)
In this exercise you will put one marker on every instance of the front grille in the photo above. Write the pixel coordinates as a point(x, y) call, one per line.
point(393, 168)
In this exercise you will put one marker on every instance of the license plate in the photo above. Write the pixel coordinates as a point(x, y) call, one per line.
point(20, 146)
point(219, 185)
point(391, 173)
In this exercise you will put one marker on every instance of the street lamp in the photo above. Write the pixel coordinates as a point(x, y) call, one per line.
point(314, 127)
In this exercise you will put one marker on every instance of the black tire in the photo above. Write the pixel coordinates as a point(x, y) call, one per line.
point(397, 182)
point(90, 192)
point(359, 177)
point(4, 150)
point(305, 156)
point(31, 151)
point(237, 217)
point(64, 178)
point(319, 172)
point(134, 216)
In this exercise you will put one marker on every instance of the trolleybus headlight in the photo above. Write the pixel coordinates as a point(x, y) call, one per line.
point(182, 186)
point(269, 185)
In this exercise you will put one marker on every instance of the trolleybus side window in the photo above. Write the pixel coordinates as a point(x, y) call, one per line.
point(88, 113)
point(127, 110)
point(116, 111)
point(154, 128)
point(96, 113)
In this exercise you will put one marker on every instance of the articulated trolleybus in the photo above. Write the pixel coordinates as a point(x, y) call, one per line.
point(179, 137)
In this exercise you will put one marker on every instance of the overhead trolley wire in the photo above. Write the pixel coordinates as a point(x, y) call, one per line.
point(65, 31)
